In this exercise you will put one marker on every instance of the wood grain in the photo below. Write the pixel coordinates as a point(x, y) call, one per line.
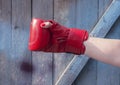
point(5, 42)
point(87, 17)
point(108, 74)
point(18, 66)
point(100, 30)
point(21, 66)
point(43, 62)
point(64, 13)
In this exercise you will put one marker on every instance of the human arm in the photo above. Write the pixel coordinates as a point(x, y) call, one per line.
point(105, 50)
point(49, 36)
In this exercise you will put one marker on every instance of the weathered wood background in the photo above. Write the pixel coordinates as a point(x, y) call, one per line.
point(19, 66)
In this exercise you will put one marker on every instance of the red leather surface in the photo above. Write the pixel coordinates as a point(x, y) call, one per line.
point(56, 38)
point(39, 37)
point(75, 41)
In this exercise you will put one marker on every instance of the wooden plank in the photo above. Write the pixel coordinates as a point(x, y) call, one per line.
point(114, 32)
point(103, 5)
point(90, 71)
point(108, 74)
point(100, 30)
point(110, 16)
point(64, 13)
point(5, 42)
point(43, 62)
point(87, 16)
point(21, 67)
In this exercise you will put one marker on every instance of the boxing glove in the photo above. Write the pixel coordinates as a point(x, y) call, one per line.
point(50, 36)
point(39, 37)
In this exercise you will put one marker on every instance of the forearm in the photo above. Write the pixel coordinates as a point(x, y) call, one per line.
point(50, 36)
point(105, 50)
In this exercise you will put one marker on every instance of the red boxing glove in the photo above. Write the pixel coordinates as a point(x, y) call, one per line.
point(49, 36)
point(39, 37)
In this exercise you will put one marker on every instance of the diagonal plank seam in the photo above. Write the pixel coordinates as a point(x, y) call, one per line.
point(100, 30)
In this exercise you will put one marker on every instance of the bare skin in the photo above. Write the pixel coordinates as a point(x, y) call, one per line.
point(101, 49)
point(104, 50)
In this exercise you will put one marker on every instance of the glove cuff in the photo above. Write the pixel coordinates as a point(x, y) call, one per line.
point(75, 41)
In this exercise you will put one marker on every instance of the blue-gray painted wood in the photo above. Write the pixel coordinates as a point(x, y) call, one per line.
point(87, 17)
point(103, 5)
point(15, 59)
point(42, 61)
point(64, 13)
point(5, 42)
point(108, 19)
point(108, 74)
point(81, 12)
point(20, 65)
point(99, 30)
point(114, 32)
